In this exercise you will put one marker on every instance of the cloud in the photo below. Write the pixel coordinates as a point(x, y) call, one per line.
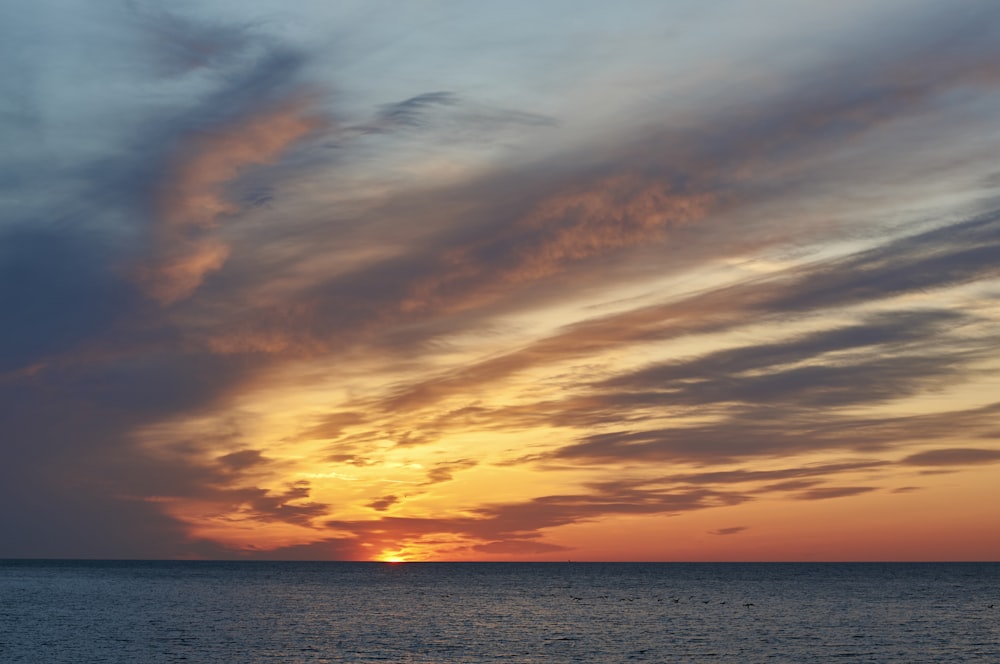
point(519, 547)
point(383, 503)
point(242, 459)
point(958, 254)
point(444, 472)
point(825, 493)
point(953, 456)
point(56, 292)
point(325, 549)
point(409, 112)
point(882, 333)
point(743, 475)
point(182, 45)
point(763, 432)
point(805, 480)
point(443, 112)
point(585, 221)
point(333, 425)
point(191, 198)
point(791, 485)
point(285, 507)
point(732, 530)
point(484, 247)
point(763, 394)
point(503, 528)
point(816, 385)
point(80, 486)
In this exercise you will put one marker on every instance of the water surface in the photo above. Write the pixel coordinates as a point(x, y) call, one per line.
point(78, 612)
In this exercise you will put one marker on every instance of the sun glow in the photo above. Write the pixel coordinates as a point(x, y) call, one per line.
point(394, 557)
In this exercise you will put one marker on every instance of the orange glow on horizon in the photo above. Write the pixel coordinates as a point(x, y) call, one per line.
point(394, 556)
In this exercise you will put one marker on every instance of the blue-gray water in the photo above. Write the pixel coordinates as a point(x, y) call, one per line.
point(148, 612)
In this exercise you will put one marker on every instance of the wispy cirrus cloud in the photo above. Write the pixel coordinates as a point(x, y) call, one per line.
point(190, 197)
point(590, 216)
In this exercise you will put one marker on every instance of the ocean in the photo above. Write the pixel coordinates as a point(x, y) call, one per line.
point(148, 612)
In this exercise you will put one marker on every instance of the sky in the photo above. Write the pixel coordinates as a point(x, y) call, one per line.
point(442, 280)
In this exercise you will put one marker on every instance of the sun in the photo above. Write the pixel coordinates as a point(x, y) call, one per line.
point(393, 556)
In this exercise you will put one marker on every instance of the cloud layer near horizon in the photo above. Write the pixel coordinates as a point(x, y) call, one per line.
point(348, 285)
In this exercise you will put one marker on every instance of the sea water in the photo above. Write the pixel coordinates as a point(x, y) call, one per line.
point(149, 612)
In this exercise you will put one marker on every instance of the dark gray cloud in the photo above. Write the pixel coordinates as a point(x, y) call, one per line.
point(865, 380)
point(410, 112)
point(57, 292)
point(460, 119)
point(883, 333)
point(286, 507)
point(242, 459)
point(79, 487)
point(956, 254)
point(774, 431)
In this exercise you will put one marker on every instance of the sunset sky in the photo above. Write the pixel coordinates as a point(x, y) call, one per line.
point(521, 280)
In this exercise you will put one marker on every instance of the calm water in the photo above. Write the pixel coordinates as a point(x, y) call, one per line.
point(146, 612)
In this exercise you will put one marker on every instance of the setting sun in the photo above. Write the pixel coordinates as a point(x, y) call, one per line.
point(393, 556)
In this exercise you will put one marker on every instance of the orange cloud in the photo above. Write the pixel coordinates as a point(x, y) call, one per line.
point(617, 212)
point(572, 225)
point(192, 197)
point(179, 273)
